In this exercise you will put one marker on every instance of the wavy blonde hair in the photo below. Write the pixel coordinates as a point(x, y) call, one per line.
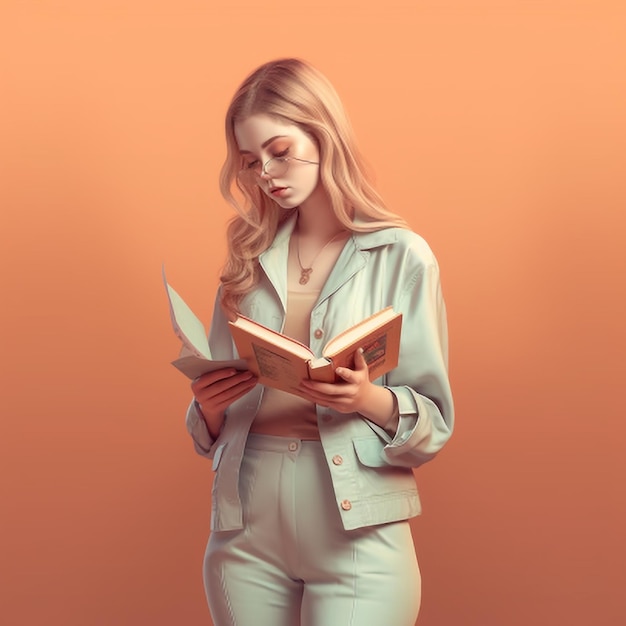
point(292, 91)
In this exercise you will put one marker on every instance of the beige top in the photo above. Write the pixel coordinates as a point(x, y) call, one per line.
point(282, 413)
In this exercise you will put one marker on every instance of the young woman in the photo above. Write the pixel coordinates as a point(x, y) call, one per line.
point(312, 493)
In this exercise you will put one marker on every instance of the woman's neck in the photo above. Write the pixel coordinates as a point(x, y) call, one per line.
point(316, 218)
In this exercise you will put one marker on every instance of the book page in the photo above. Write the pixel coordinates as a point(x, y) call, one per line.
point(245, 326)
point(193, 366)
point(188, 328)
point(273, 366)
point(195, 356)
point(356, 332)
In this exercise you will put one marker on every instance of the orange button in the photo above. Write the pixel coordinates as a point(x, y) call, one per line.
point(346, 505)
point(319, 333)
point(337, 459)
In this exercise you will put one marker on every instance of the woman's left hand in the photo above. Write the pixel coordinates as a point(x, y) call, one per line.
point(354, 393)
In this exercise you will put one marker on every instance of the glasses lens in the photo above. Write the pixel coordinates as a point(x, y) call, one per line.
point(276, 167)
point(273, 168)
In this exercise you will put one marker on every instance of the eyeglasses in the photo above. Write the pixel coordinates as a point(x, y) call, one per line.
point(274, 167)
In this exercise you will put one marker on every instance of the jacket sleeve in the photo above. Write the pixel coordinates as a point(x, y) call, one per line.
point(420, 381)
point(221, 346)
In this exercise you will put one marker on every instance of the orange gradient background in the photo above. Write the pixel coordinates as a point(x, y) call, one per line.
point(496, 128)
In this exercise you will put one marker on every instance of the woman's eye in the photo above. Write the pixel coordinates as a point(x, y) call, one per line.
point(251, 164)
point(282, 153)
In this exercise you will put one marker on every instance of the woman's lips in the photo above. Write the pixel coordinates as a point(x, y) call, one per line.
point(278, 191)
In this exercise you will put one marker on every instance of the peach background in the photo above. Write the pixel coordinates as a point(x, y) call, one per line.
point(496, 128)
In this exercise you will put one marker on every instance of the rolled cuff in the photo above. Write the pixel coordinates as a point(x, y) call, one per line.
point(197, 428)
point(418, 437)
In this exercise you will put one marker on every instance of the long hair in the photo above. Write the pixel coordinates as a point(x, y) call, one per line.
point(296, 93)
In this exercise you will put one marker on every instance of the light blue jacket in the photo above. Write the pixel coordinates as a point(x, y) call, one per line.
point(374, 483)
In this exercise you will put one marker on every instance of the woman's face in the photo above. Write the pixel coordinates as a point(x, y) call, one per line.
point(261, 138)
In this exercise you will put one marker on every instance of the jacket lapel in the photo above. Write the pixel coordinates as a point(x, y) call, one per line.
point(353, 258)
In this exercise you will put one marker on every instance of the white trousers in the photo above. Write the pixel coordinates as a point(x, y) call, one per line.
point(293, 564)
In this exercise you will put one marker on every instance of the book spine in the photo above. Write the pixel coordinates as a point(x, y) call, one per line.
point(324, 373)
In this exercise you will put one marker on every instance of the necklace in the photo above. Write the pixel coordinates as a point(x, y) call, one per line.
point(305, 272)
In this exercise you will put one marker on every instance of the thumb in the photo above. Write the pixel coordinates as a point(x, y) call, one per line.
point(345, 374)
point(360, 364)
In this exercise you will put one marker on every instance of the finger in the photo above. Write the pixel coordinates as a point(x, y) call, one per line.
point(226, 398)
point(231, 378)
point(222, 399)
point(360, 364)
point(331, 399)
point(212, 377)
point(220, 386)
point(322, 389)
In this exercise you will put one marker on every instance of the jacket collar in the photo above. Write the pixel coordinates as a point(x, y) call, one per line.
point(354, 256)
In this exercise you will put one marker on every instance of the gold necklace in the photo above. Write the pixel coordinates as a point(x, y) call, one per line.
point(305, 272)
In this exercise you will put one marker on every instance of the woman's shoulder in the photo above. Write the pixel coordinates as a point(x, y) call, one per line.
point(401, 242)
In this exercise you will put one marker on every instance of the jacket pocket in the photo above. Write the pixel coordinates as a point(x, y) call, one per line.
point(217, 457)
point(383, 486)
point(369, 451)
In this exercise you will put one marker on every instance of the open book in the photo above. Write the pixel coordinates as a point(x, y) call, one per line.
point(282, 362)
point(195, 357)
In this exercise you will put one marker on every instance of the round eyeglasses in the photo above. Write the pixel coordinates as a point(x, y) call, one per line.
point(274, 167)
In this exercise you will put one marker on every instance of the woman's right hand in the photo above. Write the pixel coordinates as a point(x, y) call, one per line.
point(215, 391)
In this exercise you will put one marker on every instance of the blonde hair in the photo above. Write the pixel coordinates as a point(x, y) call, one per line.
point(293, 92)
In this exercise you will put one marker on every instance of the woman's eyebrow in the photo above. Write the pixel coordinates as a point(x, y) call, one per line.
point(264, 144)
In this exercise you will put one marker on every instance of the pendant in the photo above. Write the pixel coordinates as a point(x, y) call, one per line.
point(305, 274)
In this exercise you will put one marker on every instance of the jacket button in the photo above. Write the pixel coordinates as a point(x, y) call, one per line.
point(337, 459)
point(319, 333)
point(346, 505)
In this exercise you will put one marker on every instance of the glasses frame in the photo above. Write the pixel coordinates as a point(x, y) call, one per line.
point(247, 172)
